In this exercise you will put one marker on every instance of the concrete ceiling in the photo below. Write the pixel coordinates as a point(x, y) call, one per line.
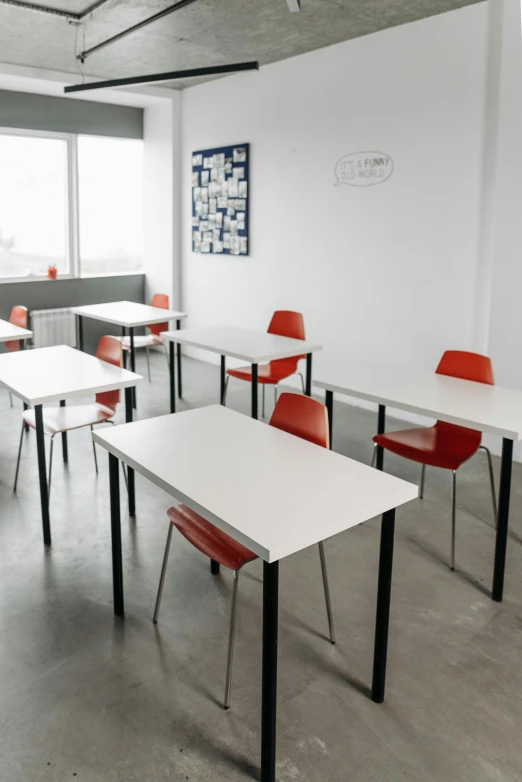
point(208, 32)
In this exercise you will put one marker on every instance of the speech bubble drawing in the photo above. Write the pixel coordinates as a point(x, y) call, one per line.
point(363, 169)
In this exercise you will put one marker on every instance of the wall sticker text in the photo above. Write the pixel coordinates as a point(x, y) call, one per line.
point(362, 169)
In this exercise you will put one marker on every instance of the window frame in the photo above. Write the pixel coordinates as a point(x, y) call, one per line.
point(72, 202)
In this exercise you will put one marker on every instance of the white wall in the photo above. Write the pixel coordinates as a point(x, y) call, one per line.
point(505, 332)
point(161, 133)
point(385, 273)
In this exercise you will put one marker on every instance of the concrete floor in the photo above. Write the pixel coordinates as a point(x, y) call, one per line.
point(86, 695)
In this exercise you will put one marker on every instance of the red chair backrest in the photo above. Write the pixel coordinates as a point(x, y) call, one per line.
point(109, 349)
point(18, 317)
point(286, 323)
point(302, 416)
point(159, 300)
point(466, 366)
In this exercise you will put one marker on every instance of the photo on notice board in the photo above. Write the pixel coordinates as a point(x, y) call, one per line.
point(219, 188)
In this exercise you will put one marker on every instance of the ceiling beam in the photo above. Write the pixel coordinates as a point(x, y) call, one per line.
point(70, 16)
point(165, 12)
point(170, 76)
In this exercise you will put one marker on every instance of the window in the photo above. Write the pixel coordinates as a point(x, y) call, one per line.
point(74, 202)
point(110, 177)
point(34, 206)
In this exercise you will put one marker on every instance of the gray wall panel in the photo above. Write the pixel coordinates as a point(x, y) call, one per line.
point(28, 111)
point(47, 294)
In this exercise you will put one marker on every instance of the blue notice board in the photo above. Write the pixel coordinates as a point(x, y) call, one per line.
point(221, 200)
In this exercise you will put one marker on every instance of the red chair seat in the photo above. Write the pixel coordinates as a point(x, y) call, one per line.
point(63, 419)
point(208, 539)
point(271, 373)
point(443, 445)
point(140, 341)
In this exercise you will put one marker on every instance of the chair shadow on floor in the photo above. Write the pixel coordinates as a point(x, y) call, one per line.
point(435, 556)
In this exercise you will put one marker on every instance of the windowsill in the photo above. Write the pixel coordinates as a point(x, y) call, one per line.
point(68, 277)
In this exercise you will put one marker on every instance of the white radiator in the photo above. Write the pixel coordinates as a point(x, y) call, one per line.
point(53, 327)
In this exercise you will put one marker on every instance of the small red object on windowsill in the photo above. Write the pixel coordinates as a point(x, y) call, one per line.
point(52, 272)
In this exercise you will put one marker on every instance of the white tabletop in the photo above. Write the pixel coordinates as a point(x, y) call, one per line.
point(61, 372)
point(244, 344)
point(463, 402)
point(270, 490)
point(10, 332)
point(128, 313)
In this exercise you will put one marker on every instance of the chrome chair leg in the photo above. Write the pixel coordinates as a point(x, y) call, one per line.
point(162, 577)
point(50, 467)
point(94, 450)
point(148, 360)
point(19, 456)
point(275, 395)
point(224, 399)
point(166, 354)
point(453, 516)
point(374, 455)
point(263, 401)
point(231, 637)
point(302, 382)
point(10, 399)
point(327, 593)
point(492, 482)
point(423, 478)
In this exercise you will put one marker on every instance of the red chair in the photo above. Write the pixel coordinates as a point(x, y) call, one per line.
point(300, 416)
point(58, 420)
point(18, 317)
point(146, 341)
point(445, 445)
point(286, 324)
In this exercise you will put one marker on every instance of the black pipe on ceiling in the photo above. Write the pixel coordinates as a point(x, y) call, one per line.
point(165, 12)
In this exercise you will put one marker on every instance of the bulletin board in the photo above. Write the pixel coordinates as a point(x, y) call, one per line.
point(221, 200)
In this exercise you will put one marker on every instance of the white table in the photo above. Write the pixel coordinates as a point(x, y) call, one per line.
point(254, 347)
point(129, 315)
point(273, 492)
point(9, 333)
point(56, 374)
point(477, 406)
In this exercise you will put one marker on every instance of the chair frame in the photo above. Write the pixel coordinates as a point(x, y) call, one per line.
point(263, 386)
point(51, 450)
point(233, 609)
point(454, 494)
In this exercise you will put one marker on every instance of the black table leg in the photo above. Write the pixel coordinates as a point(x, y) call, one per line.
point(382, 621)
point(21, 342)
point(117, 565)
point(381, 422)
point(269, 685)
point(308, 379)
point(328, 400)
point(42, 472)
point(214, 567)
point(254, 391)
point(180, 391)
point(124, 352)
point(223, 379)
point(65, 451)
point(503, 520)
point(172, 376)
point(132, 364)
point(79, 323)
point(130, 471)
